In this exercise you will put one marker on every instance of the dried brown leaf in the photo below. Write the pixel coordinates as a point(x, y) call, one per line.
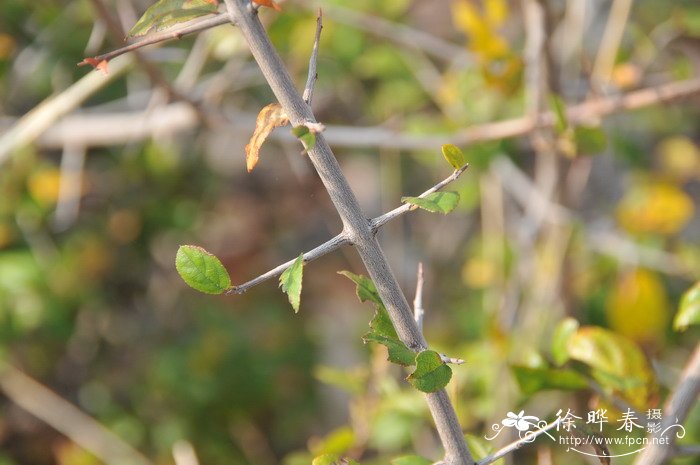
point(98, 65)
point(270, 117)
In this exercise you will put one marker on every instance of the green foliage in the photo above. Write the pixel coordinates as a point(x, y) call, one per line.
point(437, 202)
point(481, 448)
point(533, 380)
point(431, 373)
point(454, 156)
point(305, 135)
point(201, 270)
point(381, 328)
point(689, 309)
point(291, 280)
point(166, 13)
point(333, 459)
point(560, 340)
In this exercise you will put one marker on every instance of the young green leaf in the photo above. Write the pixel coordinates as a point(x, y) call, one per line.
point(411, 460)
point(381, 329)
point(166, 13)
point(560, 339)
point(437, 202)
point(481, 448)
point(454, 156)
point(201, 270)
point(398, 352)
point(431, 373)
point(305, 135)
point(689, 309)
point(365, 287)
point(290, 281)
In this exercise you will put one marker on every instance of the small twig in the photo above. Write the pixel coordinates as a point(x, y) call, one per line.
point(447, 359)
point(323, 249)
point(43, 116)
point(418, 310)
point(515, 445)
point(676, 410)
point(196, 25)
point(380, 221)
point(70, 186)
point(687, 451)
point(66, 418)
point(313, 74)
point(341, 239)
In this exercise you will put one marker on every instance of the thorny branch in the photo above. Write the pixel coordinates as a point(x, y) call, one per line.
point(313, 74)
point(342, 239)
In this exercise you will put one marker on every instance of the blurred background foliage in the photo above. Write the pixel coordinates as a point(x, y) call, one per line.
point(91, 306)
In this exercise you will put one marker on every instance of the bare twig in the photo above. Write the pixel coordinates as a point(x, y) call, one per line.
point(317, 252)
point(30, 126)
point(104, 130)
point(355, 224)
point(515, 445)
point(341, 239)
point(70, 186)
point(676, 410)
point(313, 74)
point(400, 34)
point(418, 310)
point(67, 419)
point(380, 221)
point(192, 27)
point(610, 43)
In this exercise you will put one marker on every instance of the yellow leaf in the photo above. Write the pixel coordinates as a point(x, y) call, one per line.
point(479, 272)
point(496, 11)
point(655, 207)
point(638, 307)
point(44, 185)
point(679, 157)
point(270, 117)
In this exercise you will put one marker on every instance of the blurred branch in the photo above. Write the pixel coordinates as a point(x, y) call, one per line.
point(528, 438)
point(70, 186)
point(313, 74)
point(191, 27)
point(67, 419)
point(676, 410)
point(184, 453)
point(610, 43)
point(401, 34)
point(30, 126)
point(117, 128)
point(343, 238)
point(418, 310)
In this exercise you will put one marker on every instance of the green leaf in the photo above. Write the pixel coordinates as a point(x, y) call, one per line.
point(201, 270)
point(454, 156)
point(431, 373)
point(166, 13)
point(590, 139)
point(437, 202)
point(382, 330)
point(689, 309)
point(559, 108)
point(560, 339)
point(366, 290)
point(411, 460)
point(398, 352)
point(290, 281)
point(305, 135)
point(336, 442)
point(533, 380)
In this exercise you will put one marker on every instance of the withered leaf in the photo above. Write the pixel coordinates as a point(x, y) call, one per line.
point(268, 3)
point(270, 117)
point(97, 64)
